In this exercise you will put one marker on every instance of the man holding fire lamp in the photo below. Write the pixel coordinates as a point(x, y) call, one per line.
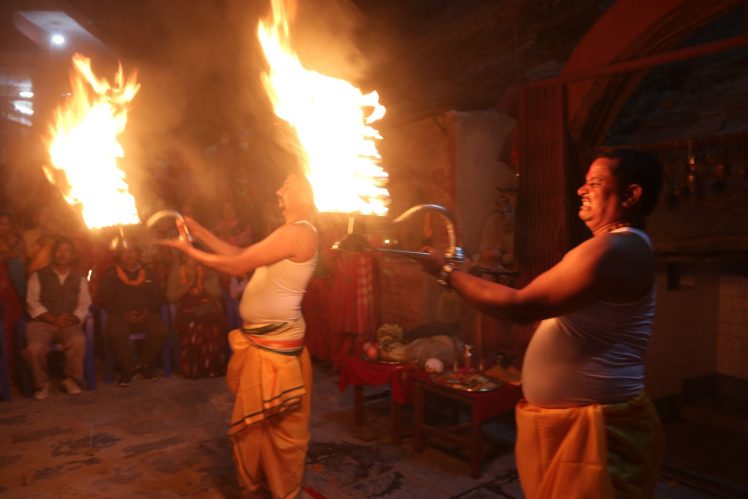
point(583, 372)
point(270, 370)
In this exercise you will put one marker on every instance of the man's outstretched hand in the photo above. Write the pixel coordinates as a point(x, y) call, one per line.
point(432, 261)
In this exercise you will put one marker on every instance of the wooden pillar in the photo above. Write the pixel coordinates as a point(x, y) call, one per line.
point(543, 205)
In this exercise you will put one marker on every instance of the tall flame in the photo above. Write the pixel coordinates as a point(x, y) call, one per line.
point(84, 149)
point(332, 120)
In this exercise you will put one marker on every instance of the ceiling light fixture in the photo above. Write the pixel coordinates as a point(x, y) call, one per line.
point(57, 39)
point(23, 108)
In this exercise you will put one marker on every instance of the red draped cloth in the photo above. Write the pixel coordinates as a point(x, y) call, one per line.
point(352, 307)
point(357, 371)
point(316, 315)
point(339, 306)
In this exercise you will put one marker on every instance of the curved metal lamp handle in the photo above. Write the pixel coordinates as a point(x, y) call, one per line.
point(156, 217)
point(454, 251)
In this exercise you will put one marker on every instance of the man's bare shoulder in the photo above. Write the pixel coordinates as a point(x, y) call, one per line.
point(298, 240)
point(594, 248)
point(613, 255)
point(299, 230)
point(611, 244)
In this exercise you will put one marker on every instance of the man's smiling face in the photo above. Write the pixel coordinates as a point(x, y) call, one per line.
point(601, 196)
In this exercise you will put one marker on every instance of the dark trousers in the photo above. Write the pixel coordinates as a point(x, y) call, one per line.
point(122, 348)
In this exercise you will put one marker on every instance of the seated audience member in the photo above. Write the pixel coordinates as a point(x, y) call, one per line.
point(11, 245)
point(231, 229)
point(12, 281)
point(58, 302)
point(199, 322)
point(236, 286)
point(132, 297)
point(11, 309)
point(233, 298)
point(38, 240)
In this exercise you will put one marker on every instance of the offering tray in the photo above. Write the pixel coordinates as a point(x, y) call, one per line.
point(470, 381)
point(382, 361)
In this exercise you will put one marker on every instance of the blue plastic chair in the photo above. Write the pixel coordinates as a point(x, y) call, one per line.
point(233, 318)
point(89, 361)
point(4, 361)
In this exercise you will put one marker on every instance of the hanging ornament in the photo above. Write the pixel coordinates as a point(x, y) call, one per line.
point(692, 173)
point(720, 172)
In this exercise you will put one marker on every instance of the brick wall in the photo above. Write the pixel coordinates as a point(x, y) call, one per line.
point(479, 139)
point(732, 327)
point(402, 292)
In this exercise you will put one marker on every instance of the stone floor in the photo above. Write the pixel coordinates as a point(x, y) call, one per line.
point(167, 439)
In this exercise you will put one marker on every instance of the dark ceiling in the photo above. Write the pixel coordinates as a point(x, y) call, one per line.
point(200, 58)
point(199, 64)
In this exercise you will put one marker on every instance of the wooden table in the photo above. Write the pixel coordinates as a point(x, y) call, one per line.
point(359, 373)
point(482, 405)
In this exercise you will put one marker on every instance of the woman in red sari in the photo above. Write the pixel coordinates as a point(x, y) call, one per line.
point(199, 320)
point(12, 284)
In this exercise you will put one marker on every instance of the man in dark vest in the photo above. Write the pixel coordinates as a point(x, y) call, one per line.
point(57, 299)
point(132, 296)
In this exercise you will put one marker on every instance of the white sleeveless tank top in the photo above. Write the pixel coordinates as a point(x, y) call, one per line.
point(593, 355)
point(275, 291)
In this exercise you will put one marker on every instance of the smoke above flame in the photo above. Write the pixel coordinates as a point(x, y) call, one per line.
point(332, 119)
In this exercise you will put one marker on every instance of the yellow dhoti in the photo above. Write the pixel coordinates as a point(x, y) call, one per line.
point(270, 422)
point(595, 451)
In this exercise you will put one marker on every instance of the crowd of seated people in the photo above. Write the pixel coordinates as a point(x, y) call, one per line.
point(52, 269)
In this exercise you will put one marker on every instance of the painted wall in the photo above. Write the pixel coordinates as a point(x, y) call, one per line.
point(732, 326)
point(479, 138)
point(450, 159)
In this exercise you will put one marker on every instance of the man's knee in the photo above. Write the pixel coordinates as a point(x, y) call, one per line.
point(77, 339)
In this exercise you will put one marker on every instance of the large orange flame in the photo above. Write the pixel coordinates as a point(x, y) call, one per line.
point(332, 121)
point(84, 147)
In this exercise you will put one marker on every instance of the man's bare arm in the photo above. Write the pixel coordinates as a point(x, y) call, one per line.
point(577, 280)
point(289, 241)
point(213, 242)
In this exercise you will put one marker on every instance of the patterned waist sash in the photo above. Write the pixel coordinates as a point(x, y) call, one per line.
point(286, 338)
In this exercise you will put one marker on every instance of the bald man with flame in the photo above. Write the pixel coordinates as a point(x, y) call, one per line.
point(269, 371)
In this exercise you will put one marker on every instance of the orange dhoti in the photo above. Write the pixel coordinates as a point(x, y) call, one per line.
point(270, 422)
point(599, 451)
